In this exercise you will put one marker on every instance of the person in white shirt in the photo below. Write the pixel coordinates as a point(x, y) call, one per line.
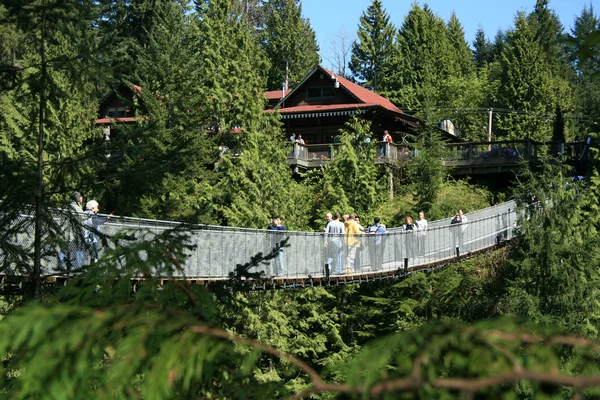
point(422, 227)
point(334, 233)
point(459, 231)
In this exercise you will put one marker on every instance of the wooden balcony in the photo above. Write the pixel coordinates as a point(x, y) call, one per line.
point(488, 157)
point(307, 156)
point(461, 158)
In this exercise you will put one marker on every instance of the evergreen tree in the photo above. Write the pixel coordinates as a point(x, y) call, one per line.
point(251, 11)
point(289, 43)
point(548, 31)
point(373, 52)
point(558, 133)
point(46, 118)
point(462, 54)
point(423, 44)
point(427, 171)
point(436, 75)
point(526, 85)
point(170, 152)
point(554, 268)
point(352, 181)
point(129, 25)
point(585, 58)
point(483, 49)
point(245, 195)
point(584, 24)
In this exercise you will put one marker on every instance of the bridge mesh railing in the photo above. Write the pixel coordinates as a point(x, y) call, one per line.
point(217, 250)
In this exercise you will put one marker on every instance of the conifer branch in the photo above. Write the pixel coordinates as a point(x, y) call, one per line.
point(205, 330)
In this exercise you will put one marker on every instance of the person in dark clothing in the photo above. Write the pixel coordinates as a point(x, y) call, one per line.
point(459, 223)
point(92, 239)
point(275, 229)
point(409, 237)
point(73, 256)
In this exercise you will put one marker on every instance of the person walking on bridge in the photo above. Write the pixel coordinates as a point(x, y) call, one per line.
point(375, 233)
point(459, 225)
point(422, 227)
point(91, 234)
point(352, 231)
point(333, 242)
point(73, 257)
point(276, 229)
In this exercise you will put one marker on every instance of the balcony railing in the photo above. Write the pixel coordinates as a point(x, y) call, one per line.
point(316, 155)
point(495, 155)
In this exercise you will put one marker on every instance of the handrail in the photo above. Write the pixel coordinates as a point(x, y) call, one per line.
point(217, 250)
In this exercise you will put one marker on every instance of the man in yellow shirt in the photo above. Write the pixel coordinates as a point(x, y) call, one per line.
point(352, 230)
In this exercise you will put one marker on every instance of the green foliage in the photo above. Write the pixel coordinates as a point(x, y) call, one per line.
point(201, 74)
point(483, 50)
point(460, 195)
point(584, 53)
point(289, 42)
point(374, 51)
point(245, 195)
point(427, 172)
point(436, 76)
point(554, 268)
point(169, 155)
point(451, 196)
point(530, 82)
point(69, 103)
point(351, 182)
point(487, 359)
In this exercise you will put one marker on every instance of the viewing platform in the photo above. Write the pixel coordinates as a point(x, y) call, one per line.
point(466, 158)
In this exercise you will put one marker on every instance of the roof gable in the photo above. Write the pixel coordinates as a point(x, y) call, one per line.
point(360, 95)
point(364, 95)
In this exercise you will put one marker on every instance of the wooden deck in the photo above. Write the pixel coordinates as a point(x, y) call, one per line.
point(466, 158)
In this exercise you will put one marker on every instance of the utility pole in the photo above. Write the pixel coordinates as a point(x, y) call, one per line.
point(490, 125)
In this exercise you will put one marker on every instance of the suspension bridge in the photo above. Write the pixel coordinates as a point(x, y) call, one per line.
point(305, 260)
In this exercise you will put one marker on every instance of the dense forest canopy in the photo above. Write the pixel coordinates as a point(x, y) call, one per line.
point(498, 326)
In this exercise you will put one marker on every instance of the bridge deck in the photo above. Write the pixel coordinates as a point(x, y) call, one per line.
point(215, 253)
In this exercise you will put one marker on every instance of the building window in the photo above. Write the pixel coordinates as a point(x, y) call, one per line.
point(319, 93)
point(117, 112)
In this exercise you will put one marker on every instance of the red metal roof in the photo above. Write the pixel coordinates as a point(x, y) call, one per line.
point(276, 94)
point(111, 120)
point(362, 94)
point(324, 107)
point(365, 98)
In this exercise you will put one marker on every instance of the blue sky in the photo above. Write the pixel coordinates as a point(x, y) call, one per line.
point(328, 17)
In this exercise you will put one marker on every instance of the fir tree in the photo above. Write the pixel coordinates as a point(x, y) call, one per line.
point(289, 43)
point(548, 31)
point(234, 105)
point(584, 55)
point(462, 54)
point(423, 43)
point(554, 270)
point(171, 150)
point(427, 171)
point(352, 181)
point(483, 49)
point(46, 119)
point(436, 72)
point(373, 52)
point(526, 85)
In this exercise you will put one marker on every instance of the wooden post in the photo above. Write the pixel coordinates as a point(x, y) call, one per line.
point(391, 182)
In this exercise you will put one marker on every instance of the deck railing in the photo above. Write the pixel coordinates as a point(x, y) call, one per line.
point(506, 152)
